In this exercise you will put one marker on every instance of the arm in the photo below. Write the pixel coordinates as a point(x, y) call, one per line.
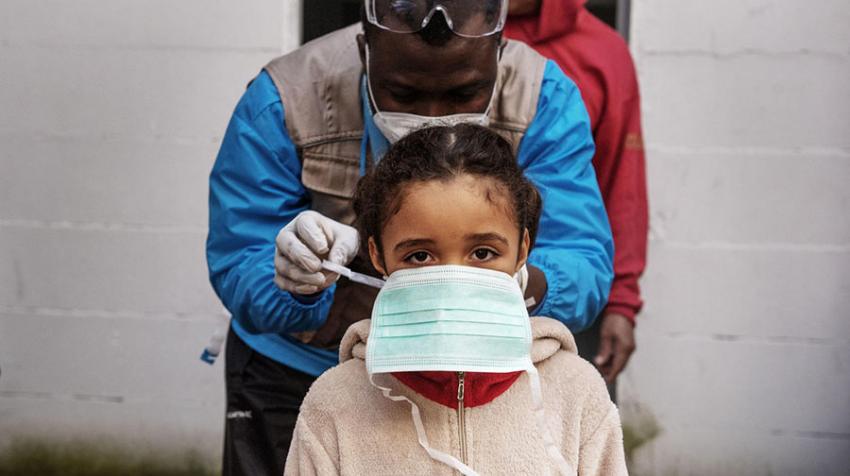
point(255, 189)
point(308, 454)
point(602, 453)
point(621, 169)
point(574, 247)
point(601, 450)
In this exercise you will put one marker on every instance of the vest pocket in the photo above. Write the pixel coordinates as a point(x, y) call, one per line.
point(331, 182)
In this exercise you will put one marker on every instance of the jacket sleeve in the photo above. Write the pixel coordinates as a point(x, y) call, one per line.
point(601, 450)
point(308, 454)
point(255, 189)
point(602, 453)
point(621, 169)
point(574, 248)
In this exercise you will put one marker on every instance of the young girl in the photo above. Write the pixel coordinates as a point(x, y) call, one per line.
point(450, 374)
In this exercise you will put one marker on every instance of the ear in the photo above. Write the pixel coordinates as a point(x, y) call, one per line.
point(524, 246)
point(361, 48)
point(502, 43)
point(375, 257)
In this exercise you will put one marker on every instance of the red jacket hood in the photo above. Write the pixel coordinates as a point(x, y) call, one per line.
point(556, 18)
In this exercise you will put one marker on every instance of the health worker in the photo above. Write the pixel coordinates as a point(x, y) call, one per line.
point(310, 125)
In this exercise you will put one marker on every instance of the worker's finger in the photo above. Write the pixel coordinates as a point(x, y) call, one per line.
point(291, 247)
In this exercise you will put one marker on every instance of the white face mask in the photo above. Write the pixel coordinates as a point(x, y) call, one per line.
point(454, 318)
point(395, 125)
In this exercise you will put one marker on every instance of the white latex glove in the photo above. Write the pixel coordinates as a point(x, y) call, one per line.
point(300, 247)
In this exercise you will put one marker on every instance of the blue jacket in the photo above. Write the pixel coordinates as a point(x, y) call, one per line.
point(255, 189)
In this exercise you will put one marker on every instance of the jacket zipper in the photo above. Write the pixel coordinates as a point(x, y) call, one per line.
point(461, 416)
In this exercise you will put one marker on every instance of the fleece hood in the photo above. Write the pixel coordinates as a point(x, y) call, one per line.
point(549, 335)
point(556, 18)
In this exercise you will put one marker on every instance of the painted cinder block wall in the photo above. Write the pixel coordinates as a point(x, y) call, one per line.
point(744, 344)
point(110, 117)
point(111, 113)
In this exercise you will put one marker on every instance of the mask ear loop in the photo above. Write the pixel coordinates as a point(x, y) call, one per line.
point(420, 433)
point(552, 450)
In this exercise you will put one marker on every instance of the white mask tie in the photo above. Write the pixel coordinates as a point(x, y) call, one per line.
point(420, 433)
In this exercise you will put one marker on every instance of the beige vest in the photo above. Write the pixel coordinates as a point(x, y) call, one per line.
point(319, 85)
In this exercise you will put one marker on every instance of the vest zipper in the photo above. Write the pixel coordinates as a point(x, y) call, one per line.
point(461, 415)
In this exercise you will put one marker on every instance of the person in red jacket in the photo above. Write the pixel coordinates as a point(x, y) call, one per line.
point(598, 60)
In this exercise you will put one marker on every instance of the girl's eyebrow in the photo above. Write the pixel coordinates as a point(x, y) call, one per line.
point(412, 243)
point(486, 237)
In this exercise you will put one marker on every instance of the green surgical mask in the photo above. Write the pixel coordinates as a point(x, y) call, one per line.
point(454, 318)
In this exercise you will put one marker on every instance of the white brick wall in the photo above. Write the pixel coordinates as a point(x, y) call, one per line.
point(744, 344)
point(111, 117)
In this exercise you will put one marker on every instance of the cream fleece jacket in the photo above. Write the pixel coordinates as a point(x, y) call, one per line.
point(347, 427)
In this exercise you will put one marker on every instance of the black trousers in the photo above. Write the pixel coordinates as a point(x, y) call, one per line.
point(263, 398)
point(588, 345)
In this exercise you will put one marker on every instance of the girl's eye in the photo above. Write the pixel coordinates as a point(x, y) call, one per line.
point(484, 254)
point(420, 257)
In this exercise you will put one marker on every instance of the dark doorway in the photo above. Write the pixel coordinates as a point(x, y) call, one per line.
point(324, 16)
point(613, 12)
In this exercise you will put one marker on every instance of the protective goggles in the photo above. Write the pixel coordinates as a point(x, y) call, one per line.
point(469, 18)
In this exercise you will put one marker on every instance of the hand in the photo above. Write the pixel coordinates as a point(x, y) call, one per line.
point(617, 342)
point(303, 243)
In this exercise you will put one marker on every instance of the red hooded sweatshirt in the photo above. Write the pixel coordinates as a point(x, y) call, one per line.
point(598, 60)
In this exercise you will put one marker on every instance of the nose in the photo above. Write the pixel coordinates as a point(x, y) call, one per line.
point(435, 109)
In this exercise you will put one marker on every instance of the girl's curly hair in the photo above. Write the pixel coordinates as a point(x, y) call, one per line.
point(442, 153)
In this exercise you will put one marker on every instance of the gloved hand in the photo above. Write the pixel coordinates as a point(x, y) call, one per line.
point(303, 243)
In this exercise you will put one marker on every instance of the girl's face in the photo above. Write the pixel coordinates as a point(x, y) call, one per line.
point(466, 221)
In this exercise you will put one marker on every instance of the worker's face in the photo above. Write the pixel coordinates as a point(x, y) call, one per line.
point(409, 75)
point(524, 7)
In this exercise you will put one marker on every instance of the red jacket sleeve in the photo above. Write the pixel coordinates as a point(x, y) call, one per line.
point(621, 170)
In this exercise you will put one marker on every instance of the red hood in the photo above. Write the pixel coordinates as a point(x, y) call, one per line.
point(556, 18)
point(441, 387)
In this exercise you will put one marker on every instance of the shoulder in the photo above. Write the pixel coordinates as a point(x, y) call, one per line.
point(319, 60)
point(342, 401)
point(556, 82)
point(260, 98)
point(320, 49)
point(567, 369)
point(560, 97)
point(577, 384)
point(579, 390)
point(603, 48)
point(560, 119)
point(332, 392)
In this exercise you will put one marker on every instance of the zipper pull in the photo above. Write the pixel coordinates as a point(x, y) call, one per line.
point(460, 386)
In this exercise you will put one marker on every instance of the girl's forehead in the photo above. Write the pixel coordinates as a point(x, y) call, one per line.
point(459, 202)
point(485, 187)
point(466, 187)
